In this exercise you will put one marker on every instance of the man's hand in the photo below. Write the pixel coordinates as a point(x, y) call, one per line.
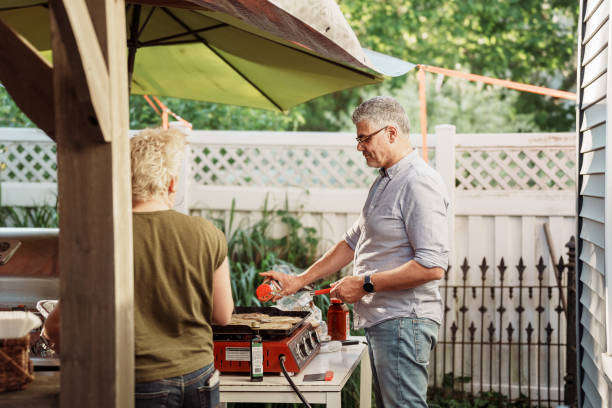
point(348, 289)
point(290, 283)
point(51, 328)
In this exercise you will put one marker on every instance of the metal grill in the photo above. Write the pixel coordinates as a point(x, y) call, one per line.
point(517, 340)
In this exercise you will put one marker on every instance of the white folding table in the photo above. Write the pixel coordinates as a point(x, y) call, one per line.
point(275, 388)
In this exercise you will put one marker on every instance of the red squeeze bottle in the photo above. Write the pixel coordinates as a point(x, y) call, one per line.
point(338, 323)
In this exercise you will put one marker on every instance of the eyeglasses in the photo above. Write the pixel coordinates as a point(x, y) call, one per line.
point(364, 138)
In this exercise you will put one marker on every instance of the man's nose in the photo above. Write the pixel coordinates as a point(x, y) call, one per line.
point(360, 147)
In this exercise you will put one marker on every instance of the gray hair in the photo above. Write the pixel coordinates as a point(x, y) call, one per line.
point(382, 111)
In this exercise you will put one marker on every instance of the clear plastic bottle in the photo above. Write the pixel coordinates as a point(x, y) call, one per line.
point(268, 290)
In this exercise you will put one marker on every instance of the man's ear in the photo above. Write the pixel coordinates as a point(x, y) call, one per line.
point(393, 134)
point(173, 185)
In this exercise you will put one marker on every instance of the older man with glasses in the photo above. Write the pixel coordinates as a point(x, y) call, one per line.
point(399, 249)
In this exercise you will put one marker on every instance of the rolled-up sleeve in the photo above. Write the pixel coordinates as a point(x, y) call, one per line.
point(352, 235)
point(425, 213)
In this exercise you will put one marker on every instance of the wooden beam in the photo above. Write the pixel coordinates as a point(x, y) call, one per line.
point(89, 63)
point(122, 192)
point(28, 78)
point(95, 249)
point(97, 8)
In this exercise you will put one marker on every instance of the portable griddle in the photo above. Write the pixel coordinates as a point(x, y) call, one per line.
point(299, 344)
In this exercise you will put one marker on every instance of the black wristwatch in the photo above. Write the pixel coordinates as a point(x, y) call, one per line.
point(368, 286)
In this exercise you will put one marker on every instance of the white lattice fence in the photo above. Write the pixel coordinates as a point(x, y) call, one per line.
point(281, 159)
point(507, 186)
point(32, 160)
point(278, 166)
point(325, 160)
point(516, 169)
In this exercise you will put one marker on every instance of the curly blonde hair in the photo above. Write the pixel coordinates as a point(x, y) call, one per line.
point(156, 156)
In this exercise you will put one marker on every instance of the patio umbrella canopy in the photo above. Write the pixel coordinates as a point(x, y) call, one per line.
point(237, 52)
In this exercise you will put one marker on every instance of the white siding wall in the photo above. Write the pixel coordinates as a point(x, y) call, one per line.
point(592, 123)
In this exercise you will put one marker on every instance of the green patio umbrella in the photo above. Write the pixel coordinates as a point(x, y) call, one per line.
point(241, 52)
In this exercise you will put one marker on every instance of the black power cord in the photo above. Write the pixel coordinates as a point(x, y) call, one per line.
point(282, 359)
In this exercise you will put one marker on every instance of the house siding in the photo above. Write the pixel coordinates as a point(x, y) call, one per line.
point(592, 117)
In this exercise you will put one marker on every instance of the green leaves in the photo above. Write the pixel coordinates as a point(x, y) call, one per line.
point(211, 116)
point(531, 41)
point(10, 115)
point(29, 217)
point(252, 249)
point(449, 396)
point(245, 279)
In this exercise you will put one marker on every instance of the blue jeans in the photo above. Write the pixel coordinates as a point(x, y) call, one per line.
point(399, 355)
point(190, 391)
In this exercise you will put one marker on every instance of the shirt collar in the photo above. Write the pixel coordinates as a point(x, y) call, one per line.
point(405, 162)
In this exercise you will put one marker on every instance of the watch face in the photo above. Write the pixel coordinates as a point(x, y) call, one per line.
point(368, 287)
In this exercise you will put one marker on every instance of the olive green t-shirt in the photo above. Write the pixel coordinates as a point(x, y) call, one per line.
point(175, 256)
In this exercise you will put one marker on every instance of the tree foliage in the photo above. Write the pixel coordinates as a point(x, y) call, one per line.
point(522, 40)
point(10, 115)
point(205, 115)
point(532, 41)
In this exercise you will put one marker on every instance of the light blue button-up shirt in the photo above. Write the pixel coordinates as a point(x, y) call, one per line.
point(404, 218)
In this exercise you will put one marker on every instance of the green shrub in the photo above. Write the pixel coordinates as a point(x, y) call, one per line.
point(29, 217)
point(447, 396)
point(252, 250)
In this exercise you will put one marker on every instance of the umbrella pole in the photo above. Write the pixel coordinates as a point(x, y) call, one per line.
point(423, 103)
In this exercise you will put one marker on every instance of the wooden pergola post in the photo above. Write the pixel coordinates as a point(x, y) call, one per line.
point(91, 130)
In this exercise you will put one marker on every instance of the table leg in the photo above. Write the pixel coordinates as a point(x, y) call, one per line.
point(334, 400)
point(365, 381)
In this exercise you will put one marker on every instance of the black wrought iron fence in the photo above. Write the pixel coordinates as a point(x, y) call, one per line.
point(506, 331)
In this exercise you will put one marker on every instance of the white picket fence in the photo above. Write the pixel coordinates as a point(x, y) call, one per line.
point(506, 185)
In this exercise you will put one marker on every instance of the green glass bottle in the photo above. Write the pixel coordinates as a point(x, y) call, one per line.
point(256, 354)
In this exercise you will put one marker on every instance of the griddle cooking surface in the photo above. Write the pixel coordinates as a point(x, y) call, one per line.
point(231, 332)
